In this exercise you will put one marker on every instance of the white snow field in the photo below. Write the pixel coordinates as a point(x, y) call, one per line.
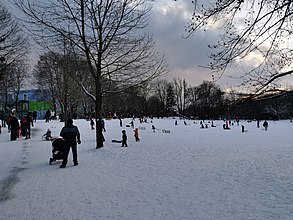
point(189, 173)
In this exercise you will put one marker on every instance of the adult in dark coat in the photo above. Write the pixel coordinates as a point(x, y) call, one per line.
point(3, 118)
point(124, 139)
point(35, 113)
point(14, 127)
point(71, 134)
point(47, 115)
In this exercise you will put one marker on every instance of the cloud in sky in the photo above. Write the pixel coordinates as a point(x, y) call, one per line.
point(184, 56)
point(167, 23)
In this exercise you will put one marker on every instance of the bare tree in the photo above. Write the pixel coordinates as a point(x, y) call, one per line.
point(160, 88)
point(210, 100)
point(53, 72)
point(13, 44)
point(108, 33)
point(193, 99)
point(254, 32)
point(181, 92)
point(12, 80)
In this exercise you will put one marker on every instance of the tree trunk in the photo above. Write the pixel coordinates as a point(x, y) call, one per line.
point(99, 130)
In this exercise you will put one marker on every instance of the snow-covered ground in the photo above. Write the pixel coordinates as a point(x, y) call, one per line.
point(189, 173)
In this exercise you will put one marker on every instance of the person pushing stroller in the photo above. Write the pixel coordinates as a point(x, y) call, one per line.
point(70, 133)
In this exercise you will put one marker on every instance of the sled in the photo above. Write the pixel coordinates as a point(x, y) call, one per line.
point(165, 131)
point(116, 141)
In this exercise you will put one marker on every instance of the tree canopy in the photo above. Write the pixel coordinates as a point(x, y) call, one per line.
point(108, 34)
point(254, 33)
point(13, 43)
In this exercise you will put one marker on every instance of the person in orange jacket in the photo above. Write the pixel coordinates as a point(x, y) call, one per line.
point(136, 135)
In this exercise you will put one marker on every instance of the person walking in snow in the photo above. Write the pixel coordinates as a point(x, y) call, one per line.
point(71, 134)
point(124, 139)
point(14, 126)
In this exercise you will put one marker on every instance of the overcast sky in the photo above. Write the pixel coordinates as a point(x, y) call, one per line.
point(168, 21)
point(184, 56)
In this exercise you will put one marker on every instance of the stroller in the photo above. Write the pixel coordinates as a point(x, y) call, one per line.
point(58, 150)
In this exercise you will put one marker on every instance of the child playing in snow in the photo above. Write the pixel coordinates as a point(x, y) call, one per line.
point(48, 135)
point(136, 135)
point(124, 139)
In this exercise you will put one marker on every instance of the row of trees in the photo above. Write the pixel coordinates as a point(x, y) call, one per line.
point(158, 98)
point(57, 72)
point(13, 67)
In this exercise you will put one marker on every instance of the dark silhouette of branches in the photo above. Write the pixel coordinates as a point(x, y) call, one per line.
point(13, 43)
point(256, 33)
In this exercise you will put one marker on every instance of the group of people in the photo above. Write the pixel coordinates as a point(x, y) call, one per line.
point(124, 137)
point(19, 128)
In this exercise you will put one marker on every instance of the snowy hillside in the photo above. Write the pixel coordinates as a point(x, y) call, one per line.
point(189, 173)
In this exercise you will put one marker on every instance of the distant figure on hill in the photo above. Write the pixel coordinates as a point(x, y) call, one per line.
point(103, 125)
point(124, 139)
point(136, 135)
point(243, 128)
point(226, 127)
point(176, 123)
point(3, 118)
point(35, 113)
point(47, 115)
point(266, 125)
point(92, 123)
point(154, 128)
